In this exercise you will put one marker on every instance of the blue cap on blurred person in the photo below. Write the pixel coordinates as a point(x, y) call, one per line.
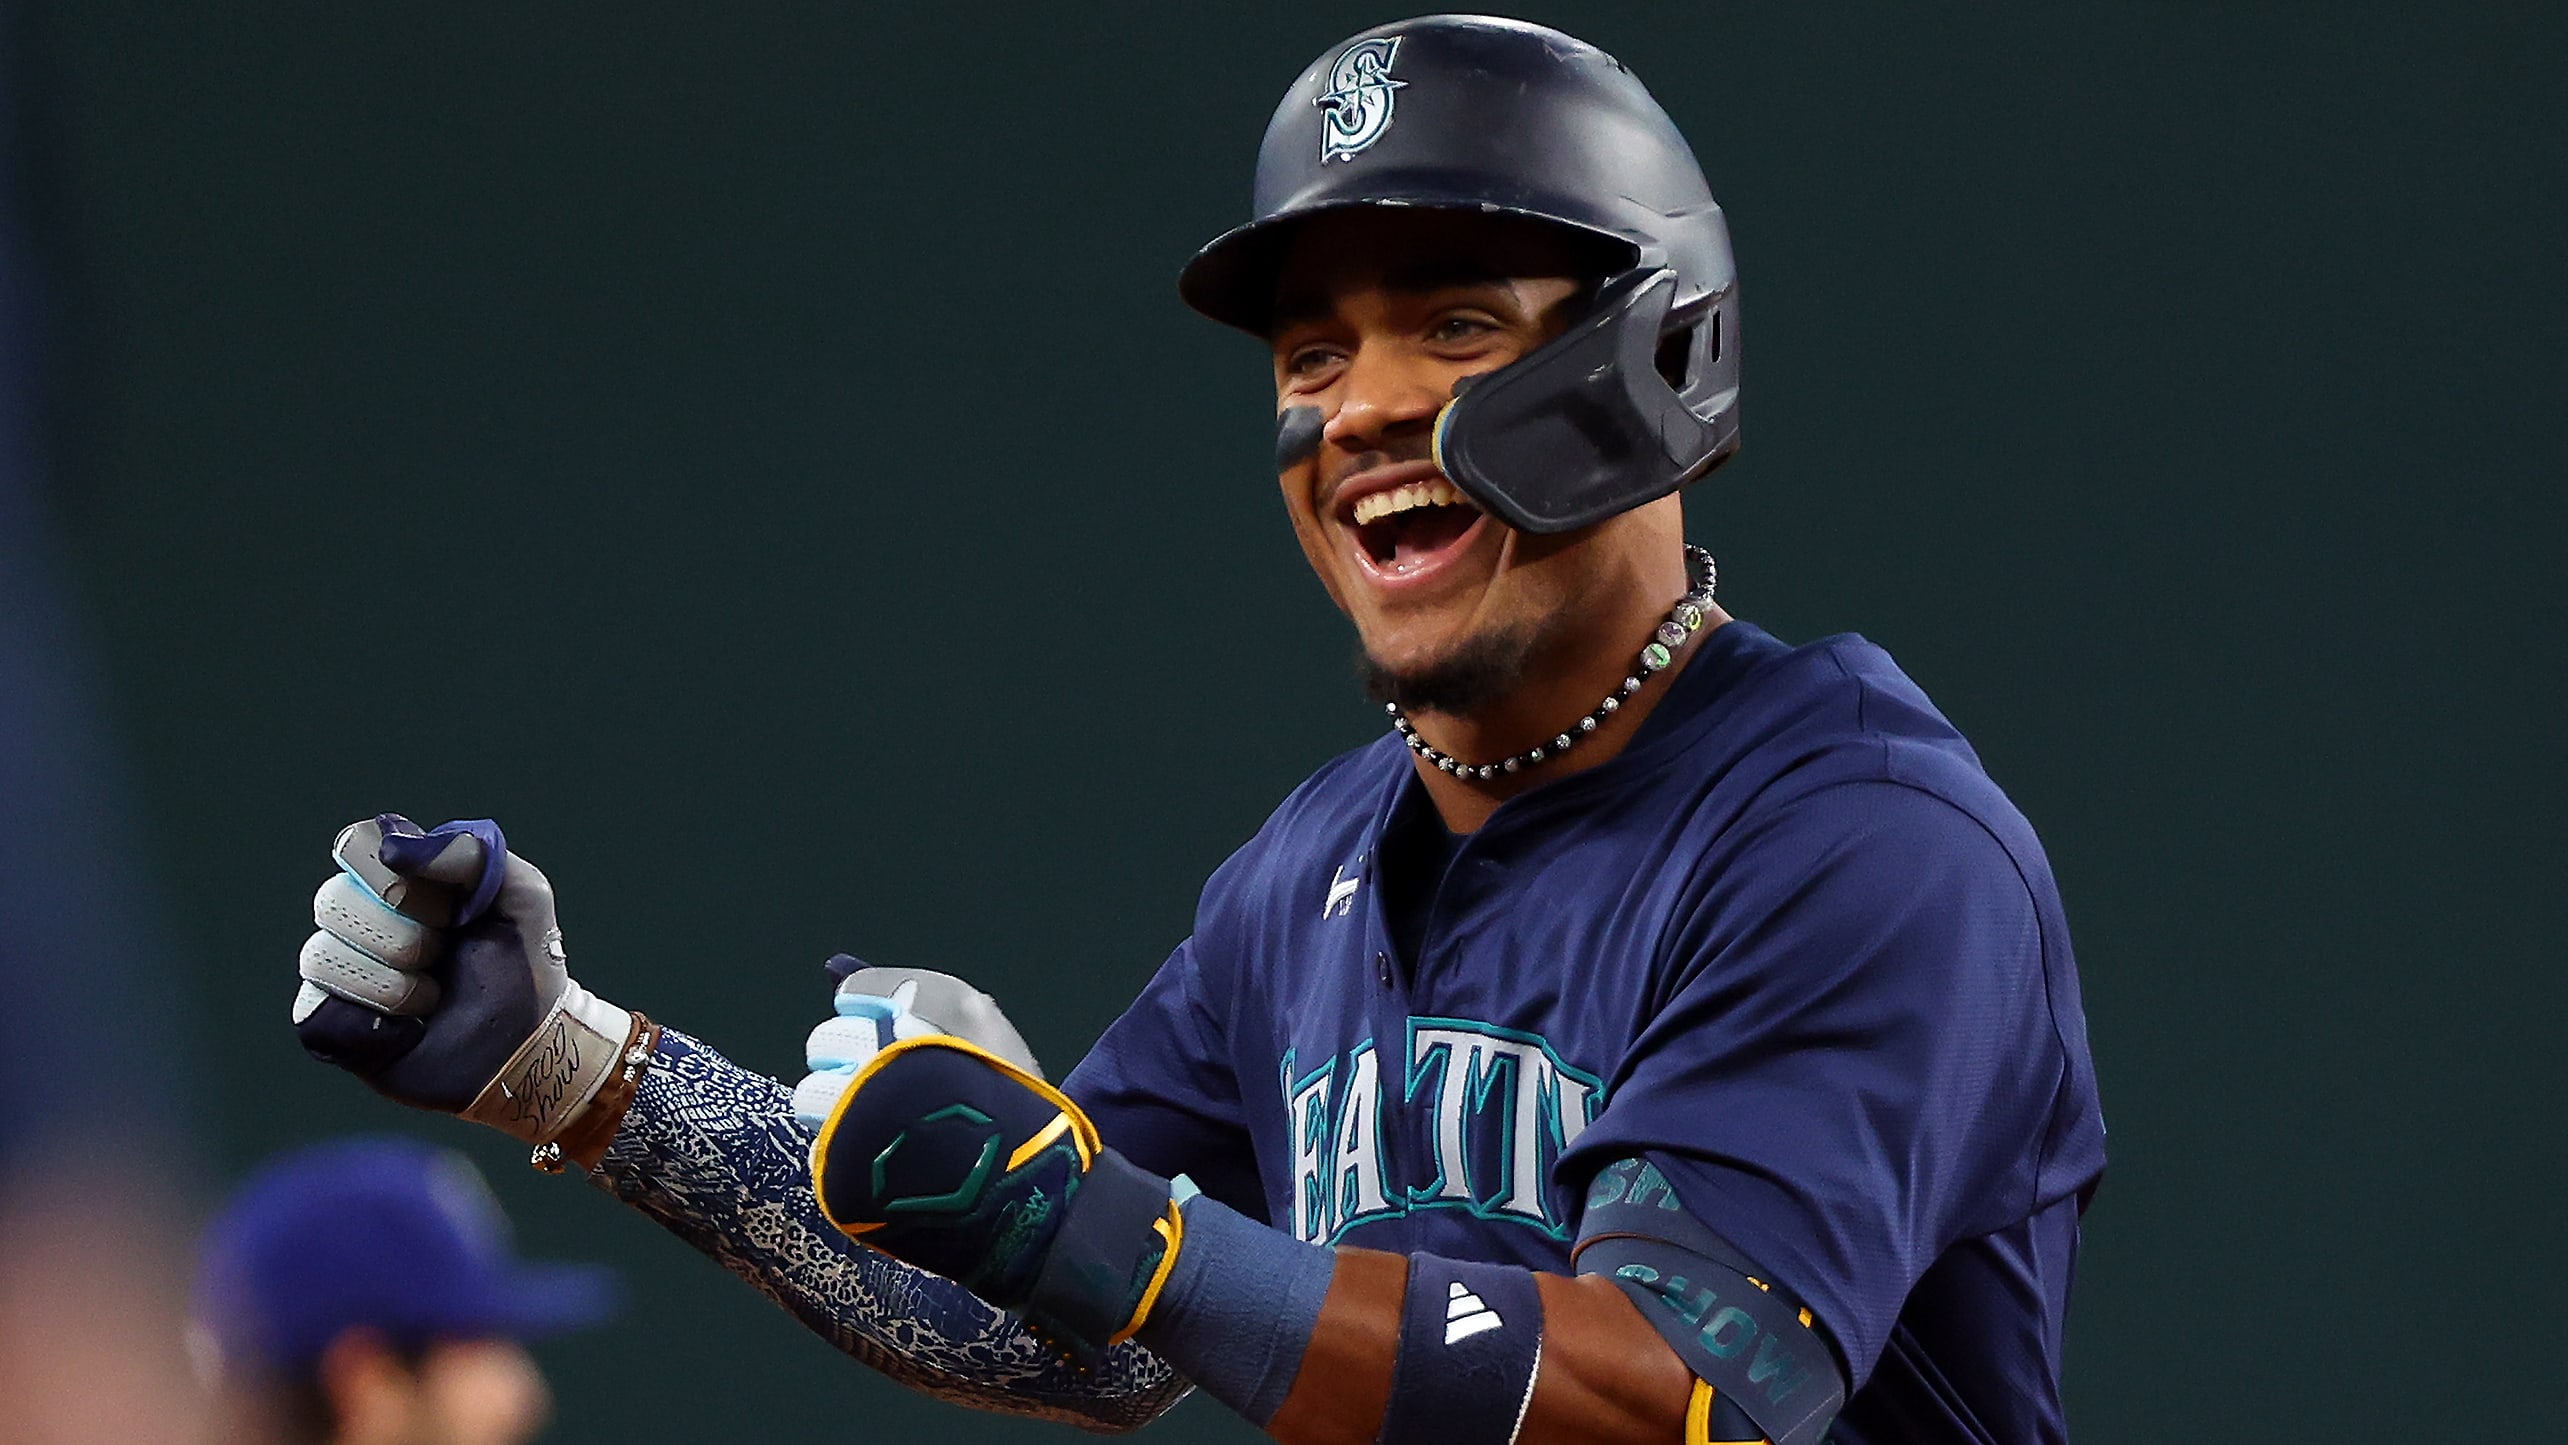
point(381, 1234)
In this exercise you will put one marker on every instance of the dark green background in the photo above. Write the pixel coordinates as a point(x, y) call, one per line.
point(757, 454)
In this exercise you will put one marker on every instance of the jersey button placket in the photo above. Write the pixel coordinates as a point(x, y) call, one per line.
point(1391, 1057)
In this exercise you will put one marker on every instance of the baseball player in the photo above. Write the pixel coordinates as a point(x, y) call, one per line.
point(364, 1292)
point(1663, 1033)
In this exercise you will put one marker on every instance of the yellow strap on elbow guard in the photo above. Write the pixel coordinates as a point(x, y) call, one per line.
point(1698, 1420)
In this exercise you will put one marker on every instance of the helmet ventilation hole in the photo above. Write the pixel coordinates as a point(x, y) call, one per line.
point(1676, 356)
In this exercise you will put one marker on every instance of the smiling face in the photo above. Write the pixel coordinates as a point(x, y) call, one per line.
point(1379, 312)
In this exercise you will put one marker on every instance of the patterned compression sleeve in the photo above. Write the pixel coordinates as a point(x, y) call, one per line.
point(715, 1154)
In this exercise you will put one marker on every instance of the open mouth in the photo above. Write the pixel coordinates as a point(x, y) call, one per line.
point(1405, 528)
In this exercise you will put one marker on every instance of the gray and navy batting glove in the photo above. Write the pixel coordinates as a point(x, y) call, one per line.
point(437, 976)
point(878, 1007)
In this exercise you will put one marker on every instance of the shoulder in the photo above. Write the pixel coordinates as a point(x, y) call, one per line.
point(1833, 737)
point(1879, 928)
point(1874, 848)
point(1913, 919)
point(1835, 806)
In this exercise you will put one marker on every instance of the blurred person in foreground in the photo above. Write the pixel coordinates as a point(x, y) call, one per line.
point(365, 1292)
point(93, 1147)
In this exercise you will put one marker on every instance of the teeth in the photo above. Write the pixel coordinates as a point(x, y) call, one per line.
point(1436, 493)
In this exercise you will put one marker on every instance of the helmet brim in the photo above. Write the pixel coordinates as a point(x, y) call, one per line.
point(1232, 279)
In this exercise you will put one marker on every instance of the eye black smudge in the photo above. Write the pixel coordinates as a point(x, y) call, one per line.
point(1297, 436)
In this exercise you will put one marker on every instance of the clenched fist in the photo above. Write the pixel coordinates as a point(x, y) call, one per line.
point(437, 975)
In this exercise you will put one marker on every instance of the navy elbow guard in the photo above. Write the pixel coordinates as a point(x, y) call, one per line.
point(1754, 1348)
point(946, 1156)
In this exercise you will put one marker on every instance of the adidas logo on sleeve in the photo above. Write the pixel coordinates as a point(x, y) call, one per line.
point(1466, 1315)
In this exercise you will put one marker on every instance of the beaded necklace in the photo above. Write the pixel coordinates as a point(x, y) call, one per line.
point(1683, 621)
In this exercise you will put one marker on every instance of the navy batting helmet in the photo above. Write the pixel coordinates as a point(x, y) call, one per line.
point(1470, 113)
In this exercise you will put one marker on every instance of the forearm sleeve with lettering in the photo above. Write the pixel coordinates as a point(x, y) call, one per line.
point(715, 1154)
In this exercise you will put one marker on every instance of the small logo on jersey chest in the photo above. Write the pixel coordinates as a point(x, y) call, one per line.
point(1341, 899)
point(1359, 98)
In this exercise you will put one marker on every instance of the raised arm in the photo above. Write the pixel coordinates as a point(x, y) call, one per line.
point(438, 977)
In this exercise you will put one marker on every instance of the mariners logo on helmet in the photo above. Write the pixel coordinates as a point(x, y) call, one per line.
point(1358, 99)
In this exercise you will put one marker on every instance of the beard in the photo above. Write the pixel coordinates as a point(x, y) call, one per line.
point(1471, 677)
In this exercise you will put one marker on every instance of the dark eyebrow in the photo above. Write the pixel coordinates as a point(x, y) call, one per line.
point(1418, 278)
point(1444, 273)
point(1297, 308)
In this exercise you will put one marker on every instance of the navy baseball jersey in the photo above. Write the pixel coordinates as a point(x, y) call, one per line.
point(1792, 946)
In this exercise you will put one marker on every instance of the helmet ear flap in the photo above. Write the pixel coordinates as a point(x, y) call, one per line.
point(1709, 386)
point(1584, 426)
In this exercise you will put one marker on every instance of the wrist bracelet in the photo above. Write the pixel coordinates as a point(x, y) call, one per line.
point(584, 1143)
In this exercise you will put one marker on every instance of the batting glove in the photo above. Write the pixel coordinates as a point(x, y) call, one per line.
point(878, 1007)
point(437, 976)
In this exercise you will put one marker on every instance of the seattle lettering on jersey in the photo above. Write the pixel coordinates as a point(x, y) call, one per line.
point(1496, 1105)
